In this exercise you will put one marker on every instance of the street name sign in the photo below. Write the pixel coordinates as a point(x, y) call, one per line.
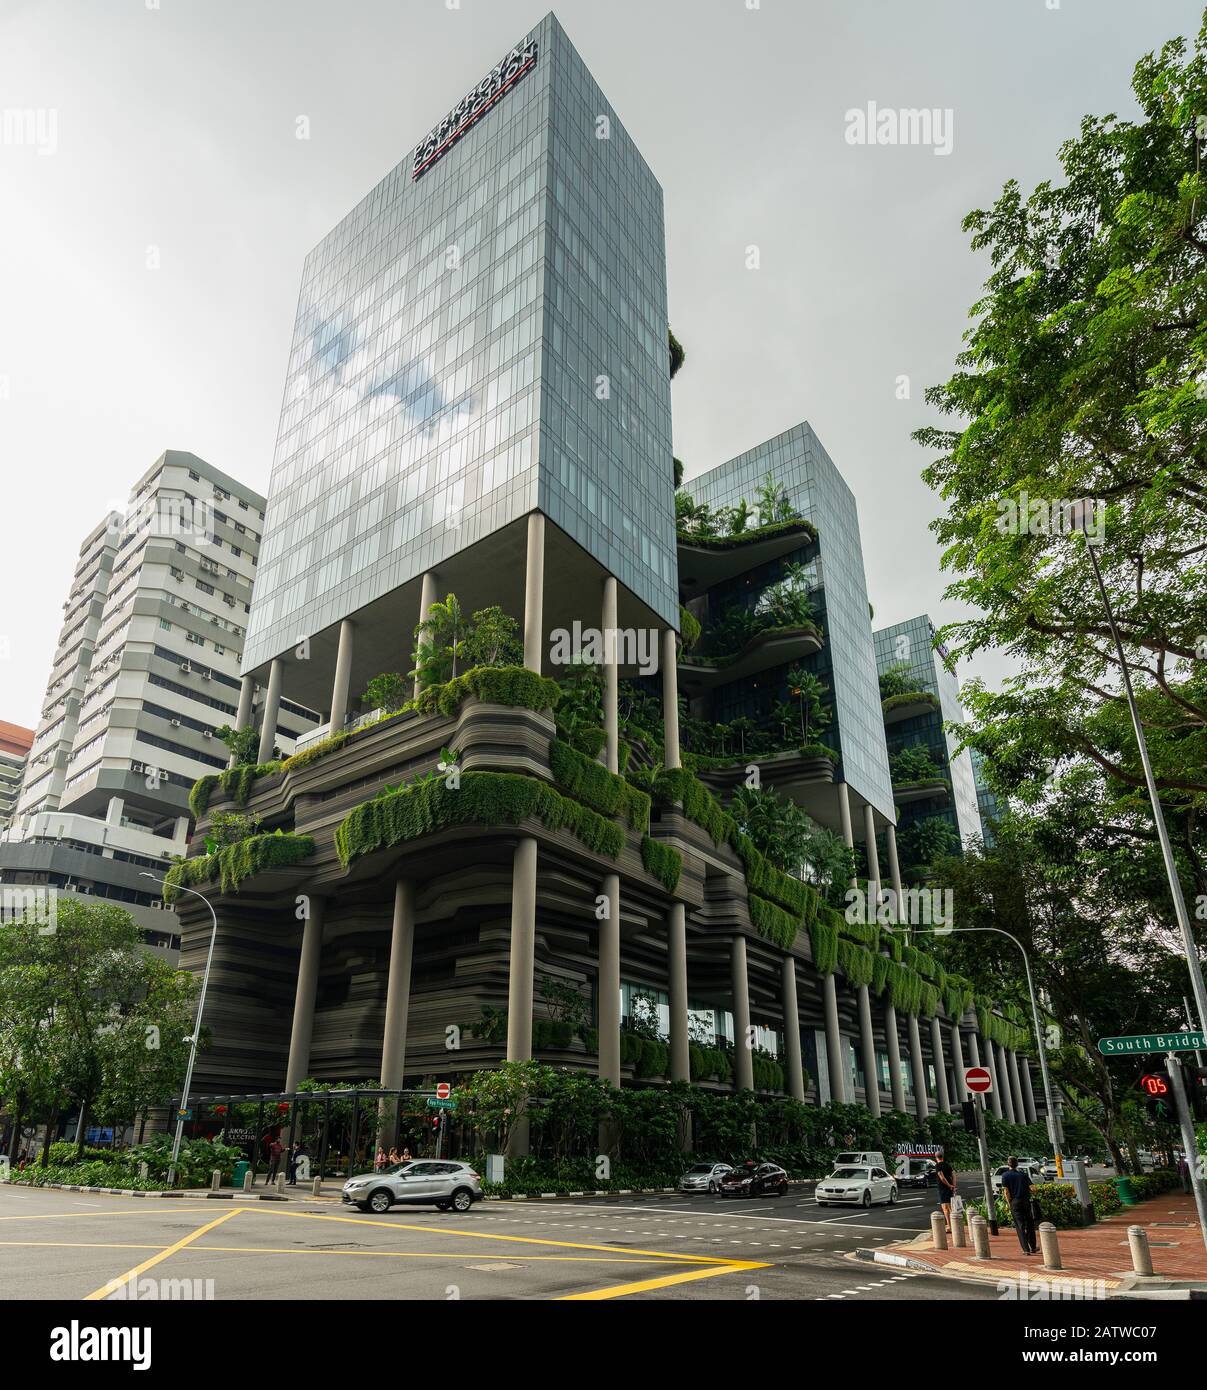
point(435, 1103)
point(1176, 1041)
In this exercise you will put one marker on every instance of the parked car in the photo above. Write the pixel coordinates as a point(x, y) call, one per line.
point(441, 1183)
point(704, 1177)
point(860, 1158)
point(755, 1180)
point(857, 1185)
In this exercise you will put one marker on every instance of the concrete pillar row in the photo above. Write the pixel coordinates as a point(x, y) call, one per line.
point(995, 1095)
point(1016, 1089)
point(609, 983)
point(957, 1066)
point(523, 952)
point(272, 708)
point(796, 1068)
point(894, 1057)
point(873, 852)
point(867, 1050)
point(398, 986)
point(677, 976)
point(670, 699)
point(936, 1047)
point(611, 677)
point(427, 596)
point(247, 694)
point(1028, 1091)
point(534, 593)
point(743, 1069)
point(1003, 1073)
point(894, 867)
point(343, 676)
point(844, 815)
point(834, 1057)
point(918, 1067)
point(304, 994)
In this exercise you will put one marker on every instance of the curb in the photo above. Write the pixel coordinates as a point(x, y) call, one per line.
point(882, 1257)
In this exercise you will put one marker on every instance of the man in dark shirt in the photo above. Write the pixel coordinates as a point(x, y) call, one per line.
point(1017, 1187)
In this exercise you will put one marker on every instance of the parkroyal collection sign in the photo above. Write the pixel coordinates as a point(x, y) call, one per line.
point(473, 106)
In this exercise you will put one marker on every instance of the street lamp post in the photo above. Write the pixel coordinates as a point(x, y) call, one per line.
point(1055, 1130)
point(196, 1035)
point(1082, 511)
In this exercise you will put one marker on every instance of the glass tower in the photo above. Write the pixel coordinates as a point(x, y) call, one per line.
point(485, 333)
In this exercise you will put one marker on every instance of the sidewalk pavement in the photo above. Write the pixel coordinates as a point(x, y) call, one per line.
point(1095, 1253)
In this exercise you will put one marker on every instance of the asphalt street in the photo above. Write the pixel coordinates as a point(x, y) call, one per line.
point(71, 1245)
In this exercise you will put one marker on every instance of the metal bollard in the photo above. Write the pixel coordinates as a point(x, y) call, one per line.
point(1049, 1245)
point(281, 1183)
point(317, 1187)
point(247, 1181)
point(143, 1171)
point(938, 1230)
point(1142, 1260)
point(959, 1232)
point(216, 1180)
point(980, 1238)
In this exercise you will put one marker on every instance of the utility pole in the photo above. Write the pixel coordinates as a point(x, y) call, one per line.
point(1190, 1148)
point(983, 1146)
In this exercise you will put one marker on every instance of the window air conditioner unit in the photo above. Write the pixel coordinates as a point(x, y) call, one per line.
point(207, 733)
point(186, 667)
point(175, 723)
point(205, 675)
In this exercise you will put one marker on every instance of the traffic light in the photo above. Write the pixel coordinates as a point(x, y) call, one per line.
point(968, 1112)
point(1196, 1091)
point(1158, 1096)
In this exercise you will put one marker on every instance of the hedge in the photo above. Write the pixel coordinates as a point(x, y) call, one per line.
point(591, 783)
point(911, 697)
point(709, 1063)
point(236, 782)
point(663, 861)
point(773, 923)
point(857, 962)
point(757, 533)
point(497, 685)
point(823, 936)
point(483, 798)
point(231, 864)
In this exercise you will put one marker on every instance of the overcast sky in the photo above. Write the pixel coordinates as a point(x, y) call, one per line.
point(153, 242)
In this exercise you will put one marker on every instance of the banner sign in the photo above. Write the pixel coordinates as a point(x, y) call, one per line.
point(919, 1150)
point(473, 106)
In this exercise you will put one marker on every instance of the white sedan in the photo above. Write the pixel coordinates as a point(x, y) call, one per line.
point(857, 1187)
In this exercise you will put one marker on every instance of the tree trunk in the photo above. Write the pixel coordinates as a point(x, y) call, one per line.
point(82, 1127)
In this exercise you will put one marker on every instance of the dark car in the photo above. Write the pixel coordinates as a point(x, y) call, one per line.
point(755, 1180)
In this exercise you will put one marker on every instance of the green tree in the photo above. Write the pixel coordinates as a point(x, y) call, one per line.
point(439, 639)
point(808, 692)
point(493, 639)
point(391, 691)
point(244, 744)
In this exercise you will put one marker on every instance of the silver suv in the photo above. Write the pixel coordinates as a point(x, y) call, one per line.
point(442, 1183)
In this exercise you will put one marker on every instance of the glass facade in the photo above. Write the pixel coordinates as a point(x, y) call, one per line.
point(799, 463)
point(485, 339)
point(912, 644)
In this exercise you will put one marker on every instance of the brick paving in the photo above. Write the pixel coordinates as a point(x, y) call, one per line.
point(1097, 1252)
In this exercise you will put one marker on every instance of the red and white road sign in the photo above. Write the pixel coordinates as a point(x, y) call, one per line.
point(443, 1090)
point(978, 1080)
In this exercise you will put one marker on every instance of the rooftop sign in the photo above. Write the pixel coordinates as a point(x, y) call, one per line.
point(473, 106)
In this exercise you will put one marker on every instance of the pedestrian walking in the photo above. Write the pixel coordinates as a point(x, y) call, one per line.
point(945, 1187)
point(295, 1152)
point(1017, 1186)
point(1184, 1172)
point(275, 1150)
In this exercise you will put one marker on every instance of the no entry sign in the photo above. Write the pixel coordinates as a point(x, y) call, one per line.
point(443, 1090)
point(977, 1080)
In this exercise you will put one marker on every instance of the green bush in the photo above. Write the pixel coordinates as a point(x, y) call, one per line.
point(552, 1033)
point(592, 784)
point(773, 923)
point(483, 798)
point(63, 1152)
point(496, 685)
point(231, 864)
point(235, 782)
point(663, 861)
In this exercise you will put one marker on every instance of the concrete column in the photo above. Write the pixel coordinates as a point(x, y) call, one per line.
point(894, 868)
point(894, 1057)
point(247, 692)
point(995, 1096)
point(272, 706)
point(303, 1000)
point(677, 975)
point(743, 1057)
point(611, 677)
point(936, 1047)
point(834, 1057)
point(796, 1068)
point(343, 675)
point(1028, 1092)
point(1003, 1076)
point(974, 1050)
point(670, 700)
point(609, 984)
point(534, 593)
point(398, 986)
point(844, 814)
point(1016, 1089)
point(523, 952)
point(427, 596)
point(917, 1065)
point(869, 831)
point(867, 1046)
point(957, 1066)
